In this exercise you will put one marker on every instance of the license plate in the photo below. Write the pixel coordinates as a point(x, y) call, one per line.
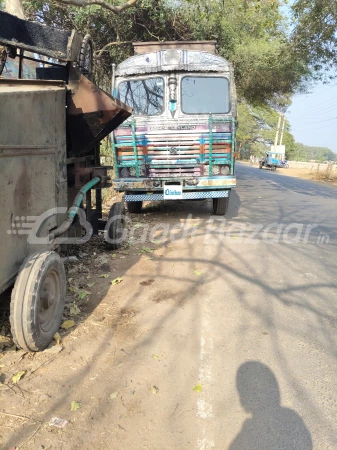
point(173, 192)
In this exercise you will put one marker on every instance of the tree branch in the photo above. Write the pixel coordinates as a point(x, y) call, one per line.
point(98, 53)
point(115, 9)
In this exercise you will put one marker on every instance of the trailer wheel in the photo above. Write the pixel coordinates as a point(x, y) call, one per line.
point(85, 58)
point(37, 301)
point(3, 58)
point(134, 207)
point(220, 205)
point(116, 226)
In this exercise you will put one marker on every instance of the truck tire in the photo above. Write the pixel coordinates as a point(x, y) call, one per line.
point(37, 301)
point(134, 207)
point(115, 227)
point(260, 165)
point(220, 205)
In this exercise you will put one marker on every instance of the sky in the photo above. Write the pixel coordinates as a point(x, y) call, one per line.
point(313, 116)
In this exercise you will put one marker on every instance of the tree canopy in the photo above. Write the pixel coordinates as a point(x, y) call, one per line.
point(303, 152)
point(272, 58)
point(314, 34)
point(257, 128)
point(252, 35)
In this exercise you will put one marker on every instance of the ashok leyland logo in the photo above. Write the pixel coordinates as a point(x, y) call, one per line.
point(173, 192)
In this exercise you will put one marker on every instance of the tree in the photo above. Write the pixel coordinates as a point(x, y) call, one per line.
point(307, 153)
point(314, 36)
point(112, 34)
point(254, 36)
point(257, 128)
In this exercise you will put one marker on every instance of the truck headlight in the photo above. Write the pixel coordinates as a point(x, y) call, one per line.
point(124, 172)
point(224, 170)
point(141, 171)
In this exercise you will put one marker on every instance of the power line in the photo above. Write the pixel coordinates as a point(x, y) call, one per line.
point(319, 121)
point(319, 128)
point(308, 120)
point(321, 111)
point(318, 105)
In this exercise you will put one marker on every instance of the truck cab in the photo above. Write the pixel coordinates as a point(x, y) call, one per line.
point(180, 140)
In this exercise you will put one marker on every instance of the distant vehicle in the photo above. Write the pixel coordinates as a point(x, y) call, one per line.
point(271, 160)
point(284, 164)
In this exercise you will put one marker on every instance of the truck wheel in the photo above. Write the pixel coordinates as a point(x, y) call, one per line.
point(260, 165)
point(116, 226)
point(37, 301)
point(134, 207)
point(220, 206)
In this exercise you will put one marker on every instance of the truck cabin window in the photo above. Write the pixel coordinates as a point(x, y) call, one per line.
point(205, 95)
point(146, 97)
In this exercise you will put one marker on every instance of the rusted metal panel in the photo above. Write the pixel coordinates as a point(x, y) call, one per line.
point(33, 176)
point(37, 38)
point(91, 114)
point(173, 60)
point(148, 47)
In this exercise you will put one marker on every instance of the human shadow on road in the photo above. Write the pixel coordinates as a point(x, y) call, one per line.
point(271, 427)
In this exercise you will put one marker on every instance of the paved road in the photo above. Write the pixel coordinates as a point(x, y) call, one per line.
point(245, 309)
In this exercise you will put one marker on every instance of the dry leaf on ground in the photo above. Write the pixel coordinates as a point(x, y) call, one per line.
point(17, 377)
point(198, 388)
point(67, 324)
point(75, 405)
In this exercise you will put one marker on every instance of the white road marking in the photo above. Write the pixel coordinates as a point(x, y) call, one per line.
point(280, 185)
point(204, 404)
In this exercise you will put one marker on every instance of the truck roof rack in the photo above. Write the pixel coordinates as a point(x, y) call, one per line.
point(140, 48)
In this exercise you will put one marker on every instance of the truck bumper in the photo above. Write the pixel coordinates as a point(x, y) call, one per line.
point(195, 195)
point(191, 184)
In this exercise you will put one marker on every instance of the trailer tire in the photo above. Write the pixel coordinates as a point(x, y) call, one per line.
point(116, 226)
point(37, 301)
point(3, 58)
point(85, 58)
point(134, 207)
point(220, 206)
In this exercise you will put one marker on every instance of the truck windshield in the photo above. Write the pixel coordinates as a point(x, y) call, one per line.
point(146, 97)
point(205, 95)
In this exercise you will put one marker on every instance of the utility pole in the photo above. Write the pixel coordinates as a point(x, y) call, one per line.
point(283, 125)
point(277, 131)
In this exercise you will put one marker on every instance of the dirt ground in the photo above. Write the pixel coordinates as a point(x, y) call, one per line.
point(90, 364)
point(160, 329)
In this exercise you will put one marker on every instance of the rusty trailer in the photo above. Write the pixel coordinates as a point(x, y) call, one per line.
point(49, 162)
